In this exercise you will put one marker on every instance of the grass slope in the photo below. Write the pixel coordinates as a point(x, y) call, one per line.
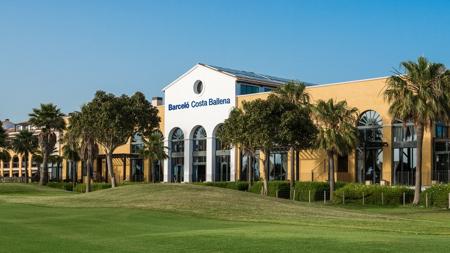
point(189, 218)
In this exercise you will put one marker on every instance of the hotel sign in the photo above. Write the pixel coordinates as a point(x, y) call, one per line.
point(199, 103)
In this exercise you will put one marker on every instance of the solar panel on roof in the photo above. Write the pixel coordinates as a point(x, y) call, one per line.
point(253, 75)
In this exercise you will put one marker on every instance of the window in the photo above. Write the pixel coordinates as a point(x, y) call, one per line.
point(342, 163)
point(278, 166)
point(441, 130)
point(177, 155)
point(222, 172)
point(198, 87)
point(137, 143)
point(404, 152)
point(199, 155)
point(369, 152)
point(243, 89)
point(245, 164)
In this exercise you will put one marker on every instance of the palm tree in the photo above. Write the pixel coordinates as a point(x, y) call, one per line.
point(24, 143)
point(49, 119)
point(337, 131)
point(154, 150)
point(4, 155)
point(3, 136)
point(420, 94)
point(88, 152)
point(79, 131)
point(70, 152)
point(294, 92)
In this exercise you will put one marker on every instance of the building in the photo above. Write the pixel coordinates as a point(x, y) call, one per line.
point(198, 102)
point(16, 166)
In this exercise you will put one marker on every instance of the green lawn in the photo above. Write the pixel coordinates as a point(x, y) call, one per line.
point(189, 218)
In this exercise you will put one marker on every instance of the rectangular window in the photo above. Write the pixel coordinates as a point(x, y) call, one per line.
point(243, 89)
point(342, 164)
point(278, 166)
point(441, 131)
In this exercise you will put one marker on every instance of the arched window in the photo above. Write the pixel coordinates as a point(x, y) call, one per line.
point(222, 171)
point(369, 152)
point(404, 158)
point(177, 155)
point(199, 155)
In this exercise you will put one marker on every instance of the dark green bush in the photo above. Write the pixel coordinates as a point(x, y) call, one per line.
point(239, 185)
point(373, 194)
point(282, 187)
point(316, 189)
point(94, 187)
point(437, 195)
point(61, 185)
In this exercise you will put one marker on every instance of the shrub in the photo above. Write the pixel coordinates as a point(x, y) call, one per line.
point(282, 187)
point(316, 189)
point(94, 187)
point(373, 194)
point(61, 185)
point(239, 185)
point(437, 195)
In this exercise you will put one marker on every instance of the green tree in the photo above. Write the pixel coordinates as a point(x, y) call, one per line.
point(116, 119)
point(4, 154)
point(49, 119)
point(254, 127)
point(3, 136)
point(235, 131)
point(24, 143)
point(154, 150)
point(337, 133)
point(70, 152)
point(297, 130)
point(421, 94)
point(81, 138)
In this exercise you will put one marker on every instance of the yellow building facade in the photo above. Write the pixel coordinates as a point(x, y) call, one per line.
point(386, 153)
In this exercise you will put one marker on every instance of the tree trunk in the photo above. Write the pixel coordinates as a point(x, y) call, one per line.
point(265, 173)
point(418, 184)
point(43, 180)
point(292, 179)
point(150, 172)
point(297, 165)
point(110, 168)
point(73, 165)
point(26, 168)
point(250, 170)
point(330, 155)
point(88, 175)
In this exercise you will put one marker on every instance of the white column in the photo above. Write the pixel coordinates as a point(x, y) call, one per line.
point(233, 165)
point(187, 161)
point(210, 159)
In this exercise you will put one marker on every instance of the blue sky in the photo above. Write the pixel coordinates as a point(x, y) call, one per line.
point(63, 51)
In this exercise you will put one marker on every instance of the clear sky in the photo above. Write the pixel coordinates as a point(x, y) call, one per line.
point(63, 51)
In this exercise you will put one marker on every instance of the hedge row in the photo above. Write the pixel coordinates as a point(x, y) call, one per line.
point(314, 191)
point(280, 188)
point(240, 185)
point(373, 194)
point(78, 187)
point(438, 195)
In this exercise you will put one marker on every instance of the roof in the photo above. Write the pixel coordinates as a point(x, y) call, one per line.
point(242, 75)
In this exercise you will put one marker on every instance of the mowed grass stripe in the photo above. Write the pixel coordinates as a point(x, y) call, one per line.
point(73, 223)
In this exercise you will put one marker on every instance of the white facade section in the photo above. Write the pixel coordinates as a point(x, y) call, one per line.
point(186, 109)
